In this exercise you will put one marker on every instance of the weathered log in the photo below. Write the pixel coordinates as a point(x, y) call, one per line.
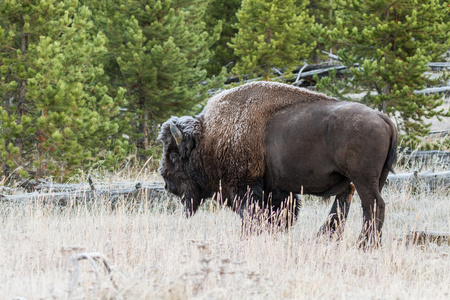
point(430, 64)
point(325, 69)
point(432, 90)
point(74, 197)
point(48, 187)
point(305, 76)
point(426, 237)
point(440, 133)
point(306, 72)
point(426, 180)
point(423, 158)
point(439, 64)
point(332, 56)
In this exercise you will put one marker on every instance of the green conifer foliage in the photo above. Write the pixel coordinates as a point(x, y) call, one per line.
point(56, 112)
point(392, 42)
point(162, 60)
point(271, 34)
point(323, 13)
point(222, 12)
point(322, 10)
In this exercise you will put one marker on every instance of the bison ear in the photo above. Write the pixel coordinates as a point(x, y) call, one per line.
point(186, 147)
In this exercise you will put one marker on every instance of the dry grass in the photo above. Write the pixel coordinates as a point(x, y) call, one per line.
point(159, 254)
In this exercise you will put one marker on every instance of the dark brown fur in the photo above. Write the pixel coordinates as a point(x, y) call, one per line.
point(272, 139)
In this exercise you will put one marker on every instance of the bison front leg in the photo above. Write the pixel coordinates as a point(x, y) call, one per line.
point(269, 212)
point(334, 225)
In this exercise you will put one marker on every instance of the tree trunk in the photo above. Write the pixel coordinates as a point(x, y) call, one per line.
point(386, 92)
point(21, 100)
point(145, 129)
point(268, 41)
point(40, 153)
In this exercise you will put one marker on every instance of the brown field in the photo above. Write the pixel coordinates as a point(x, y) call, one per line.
point(157, 253)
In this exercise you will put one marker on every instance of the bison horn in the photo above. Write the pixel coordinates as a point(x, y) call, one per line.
point(176, 133)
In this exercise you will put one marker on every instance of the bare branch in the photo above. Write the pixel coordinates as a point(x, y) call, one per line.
point(93, 257)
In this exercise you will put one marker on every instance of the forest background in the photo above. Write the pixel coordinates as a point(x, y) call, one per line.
point(86, 83)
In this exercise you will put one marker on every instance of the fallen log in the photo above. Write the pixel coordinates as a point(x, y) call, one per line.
point(423, 158)
point(323, 69)
point(440, 133)
point(331, 55)
point(439, 64)
point(49, 187)
point(425, 237)
point(430, 64)
point(428, 181)
point(306, 71)
point(432, 90)
point(74, 197)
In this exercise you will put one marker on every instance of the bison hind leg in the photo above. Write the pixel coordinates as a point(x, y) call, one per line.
point(334, 224)
point(373, 206)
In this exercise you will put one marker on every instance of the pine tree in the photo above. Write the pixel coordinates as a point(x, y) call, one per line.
point(322, 11)
point(111, 18)
point(162, 60)
point(387, 44)
point(56, 113)
point(271, 34)
point(222, 12)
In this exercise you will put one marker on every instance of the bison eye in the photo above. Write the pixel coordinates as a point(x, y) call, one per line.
point(174, 157)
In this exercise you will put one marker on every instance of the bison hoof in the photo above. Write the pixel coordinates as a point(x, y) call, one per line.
point(331, 229)
point(330, 233)
point(369, 241)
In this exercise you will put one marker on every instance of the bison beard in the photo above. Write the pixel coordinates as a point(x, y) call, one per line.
point(258, 145)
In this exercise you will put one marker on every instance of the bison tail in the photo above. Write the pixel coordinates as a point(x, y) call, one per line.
point(392, 154)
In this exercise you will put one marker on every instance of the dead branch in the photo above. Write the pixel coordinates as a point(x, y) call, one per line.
point(91, 183)
point(93, 257)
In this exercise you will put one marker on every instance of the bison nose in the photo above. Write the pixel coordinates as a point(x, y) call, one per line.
point(165, 186)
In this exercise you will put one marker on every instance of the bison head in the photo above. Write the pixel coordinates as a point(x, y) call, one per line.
point(181, 162)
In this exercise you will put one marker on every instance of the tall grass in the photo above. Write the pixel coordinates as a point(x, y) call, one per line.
point(159, 254)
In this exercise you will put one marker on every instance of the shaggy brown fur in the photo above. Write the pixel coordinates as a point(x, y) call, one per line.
point(235, 141)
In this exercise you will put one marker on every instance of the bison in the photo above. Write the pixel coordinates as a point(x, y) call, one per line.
point(264, 142)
